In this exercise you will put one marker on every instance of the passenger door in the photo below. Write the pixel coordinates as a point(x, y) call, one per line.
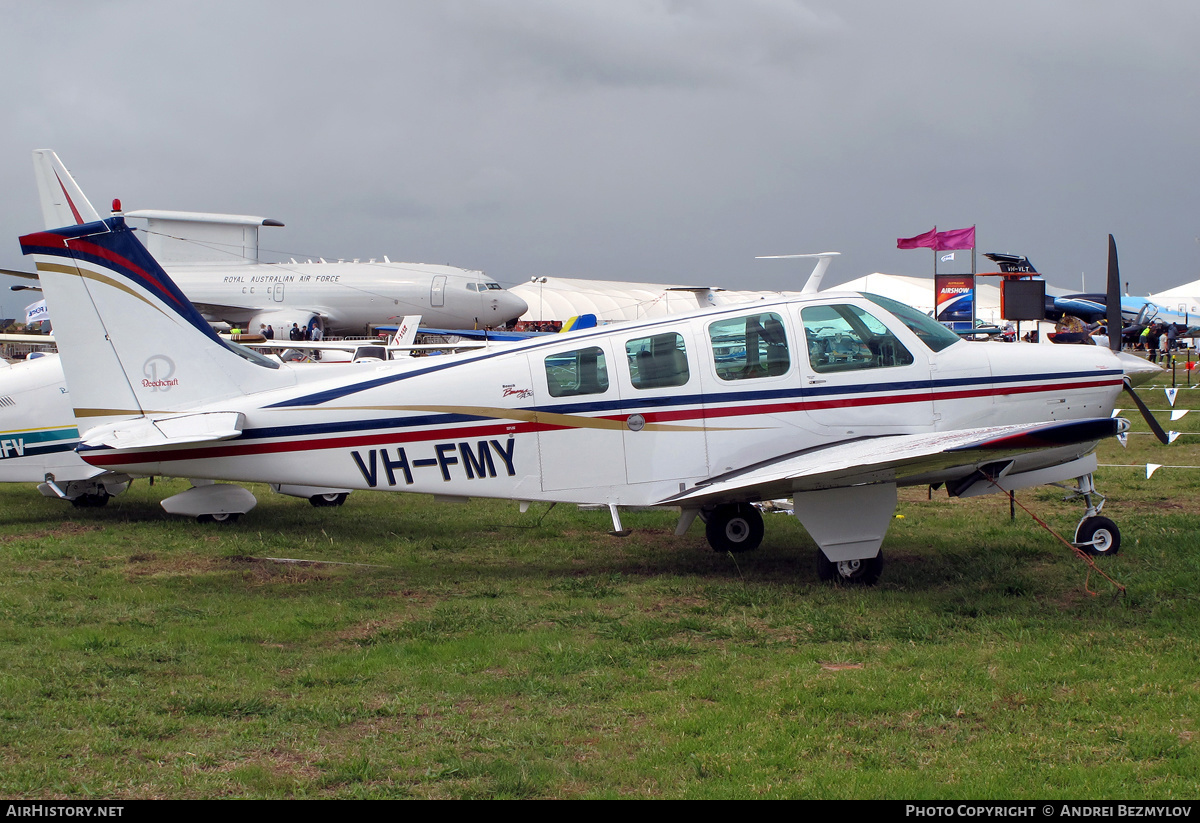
point(860, 377)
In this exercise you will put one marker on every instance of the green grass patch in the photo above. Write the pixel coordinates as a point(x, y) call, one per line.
point(432, 651)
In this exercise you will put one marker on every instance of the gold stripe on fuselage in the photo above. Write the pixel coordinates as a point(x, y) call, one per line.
point(569, 421)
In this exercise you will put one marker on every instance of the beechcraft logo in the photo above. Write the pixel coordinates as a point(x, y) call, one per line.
point(510, 390)
point(158, 373)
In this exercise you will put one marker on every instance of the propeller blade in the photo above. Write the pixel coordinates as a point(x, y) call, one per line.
point(1147, 416)
point(1113, 297)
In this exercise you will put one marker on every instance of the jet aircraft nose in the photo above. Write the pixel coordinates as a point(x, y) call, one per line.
point(1137, 370)
point(509, 307)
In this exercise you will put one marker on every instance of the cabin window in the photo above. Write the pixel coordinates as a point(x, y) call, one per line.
point(749, 347)
point(845, 338)
point(572, 373)
point(657, 362)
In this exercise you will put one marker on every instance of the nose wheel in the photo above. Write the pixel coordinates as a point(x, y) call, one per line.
point(1098, 535)
point(1094, 535)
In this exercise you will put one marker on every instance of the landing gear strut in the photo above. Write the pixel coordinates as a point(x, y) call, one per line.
point(1095, 534)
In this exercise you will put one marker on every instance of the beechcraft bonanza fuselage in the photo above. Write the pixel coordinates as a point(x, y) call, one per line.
point(213, 258)
point(834, 399)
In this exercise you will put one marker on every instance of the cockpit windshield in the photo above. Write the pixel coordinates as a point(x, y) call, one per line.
point(932, 333)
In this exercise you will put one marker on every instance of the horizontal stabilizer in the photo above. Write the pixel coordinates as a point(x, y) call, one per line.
point(175, 237)
point(144, 432)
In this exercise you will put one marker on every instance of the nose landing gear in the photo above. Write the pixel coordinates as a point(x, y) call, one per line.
point(1094, 535)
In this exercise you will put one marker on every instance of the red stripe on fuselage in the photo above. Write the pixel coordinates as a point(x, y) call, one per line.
point(108, 458)
point(854, 402)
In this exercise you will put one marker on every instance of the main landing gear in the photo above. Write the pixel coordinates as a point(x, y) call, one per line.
point(1095, 535)
point(734, 527)
point(855, 572)
point(738, 527)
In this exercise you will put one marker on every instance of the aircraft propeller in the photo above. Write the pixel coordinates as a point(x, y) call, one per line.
point(1115, 336)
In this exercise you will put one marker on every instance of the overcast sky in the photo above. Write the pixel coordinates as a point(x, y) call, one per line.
point(643, 140)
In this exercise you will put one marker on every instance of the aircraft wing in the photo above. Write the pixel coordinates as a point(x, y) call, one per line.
point(906, 459)
point(222, 311)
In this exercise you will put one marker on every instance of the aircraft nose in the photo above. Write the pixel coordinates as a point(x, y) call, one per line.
point(1137, 370)
point(510, 307)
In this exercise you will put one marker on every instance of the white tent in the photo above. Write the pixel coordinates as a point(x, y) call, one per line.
point(558, 298)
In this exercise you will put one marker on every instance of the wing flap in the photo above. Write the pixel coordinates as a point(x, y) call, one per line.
point(905, 459)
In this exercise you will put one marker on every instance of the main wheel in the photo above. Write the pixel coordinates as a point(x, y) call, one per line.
point(91, 501)
point(734, 527)
point(222, 517)
point(1098, 535)
point(856, 572)
point(321, 500)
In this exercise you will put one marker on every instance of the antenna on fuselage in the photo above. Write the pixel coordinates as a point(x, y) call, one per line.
point(813, 284)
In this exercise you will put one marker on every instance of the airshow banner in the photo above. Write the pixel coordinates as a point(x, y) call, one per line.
point(955, 299)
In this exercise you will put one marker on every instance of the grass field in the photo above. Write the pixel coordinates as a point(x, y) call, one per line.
point(469, 651)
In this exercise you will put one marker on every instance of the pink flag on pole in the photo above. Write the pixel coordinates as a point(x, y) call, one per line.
point(955, 239)
point(921, 241)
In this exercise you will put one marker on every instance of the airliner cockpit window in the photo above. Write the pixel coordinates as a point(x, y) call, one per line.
point(846, 338)
point(571, 373)
point(658, 361)
point(748, 347)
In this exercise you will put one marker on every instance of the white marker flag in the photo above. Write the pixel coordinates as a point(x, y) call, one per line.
point(1171, 437)
point(1178, 413)
point(1171, 395)
point(1151, 468)
point(1123, 439)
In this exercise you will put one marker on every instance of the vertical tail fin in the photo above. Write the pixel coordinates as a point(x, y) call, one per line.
point(406, 331)
point(63, 202)
point(131, 344)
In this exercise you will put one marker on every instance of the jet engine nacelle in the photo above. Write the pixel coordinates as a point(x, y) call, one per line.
point(281, 321)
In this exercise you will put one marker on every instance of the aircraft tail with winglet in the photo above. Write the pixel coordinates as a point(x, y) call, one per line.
point(159, 356)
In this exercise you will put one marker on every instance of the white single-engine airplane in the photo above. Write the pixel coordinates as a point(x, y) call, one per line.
point(835, 399)
point(214, 259)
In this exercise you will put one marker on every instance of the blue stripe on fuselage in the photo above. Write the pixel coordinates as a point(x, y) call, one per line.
point(623, 404)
